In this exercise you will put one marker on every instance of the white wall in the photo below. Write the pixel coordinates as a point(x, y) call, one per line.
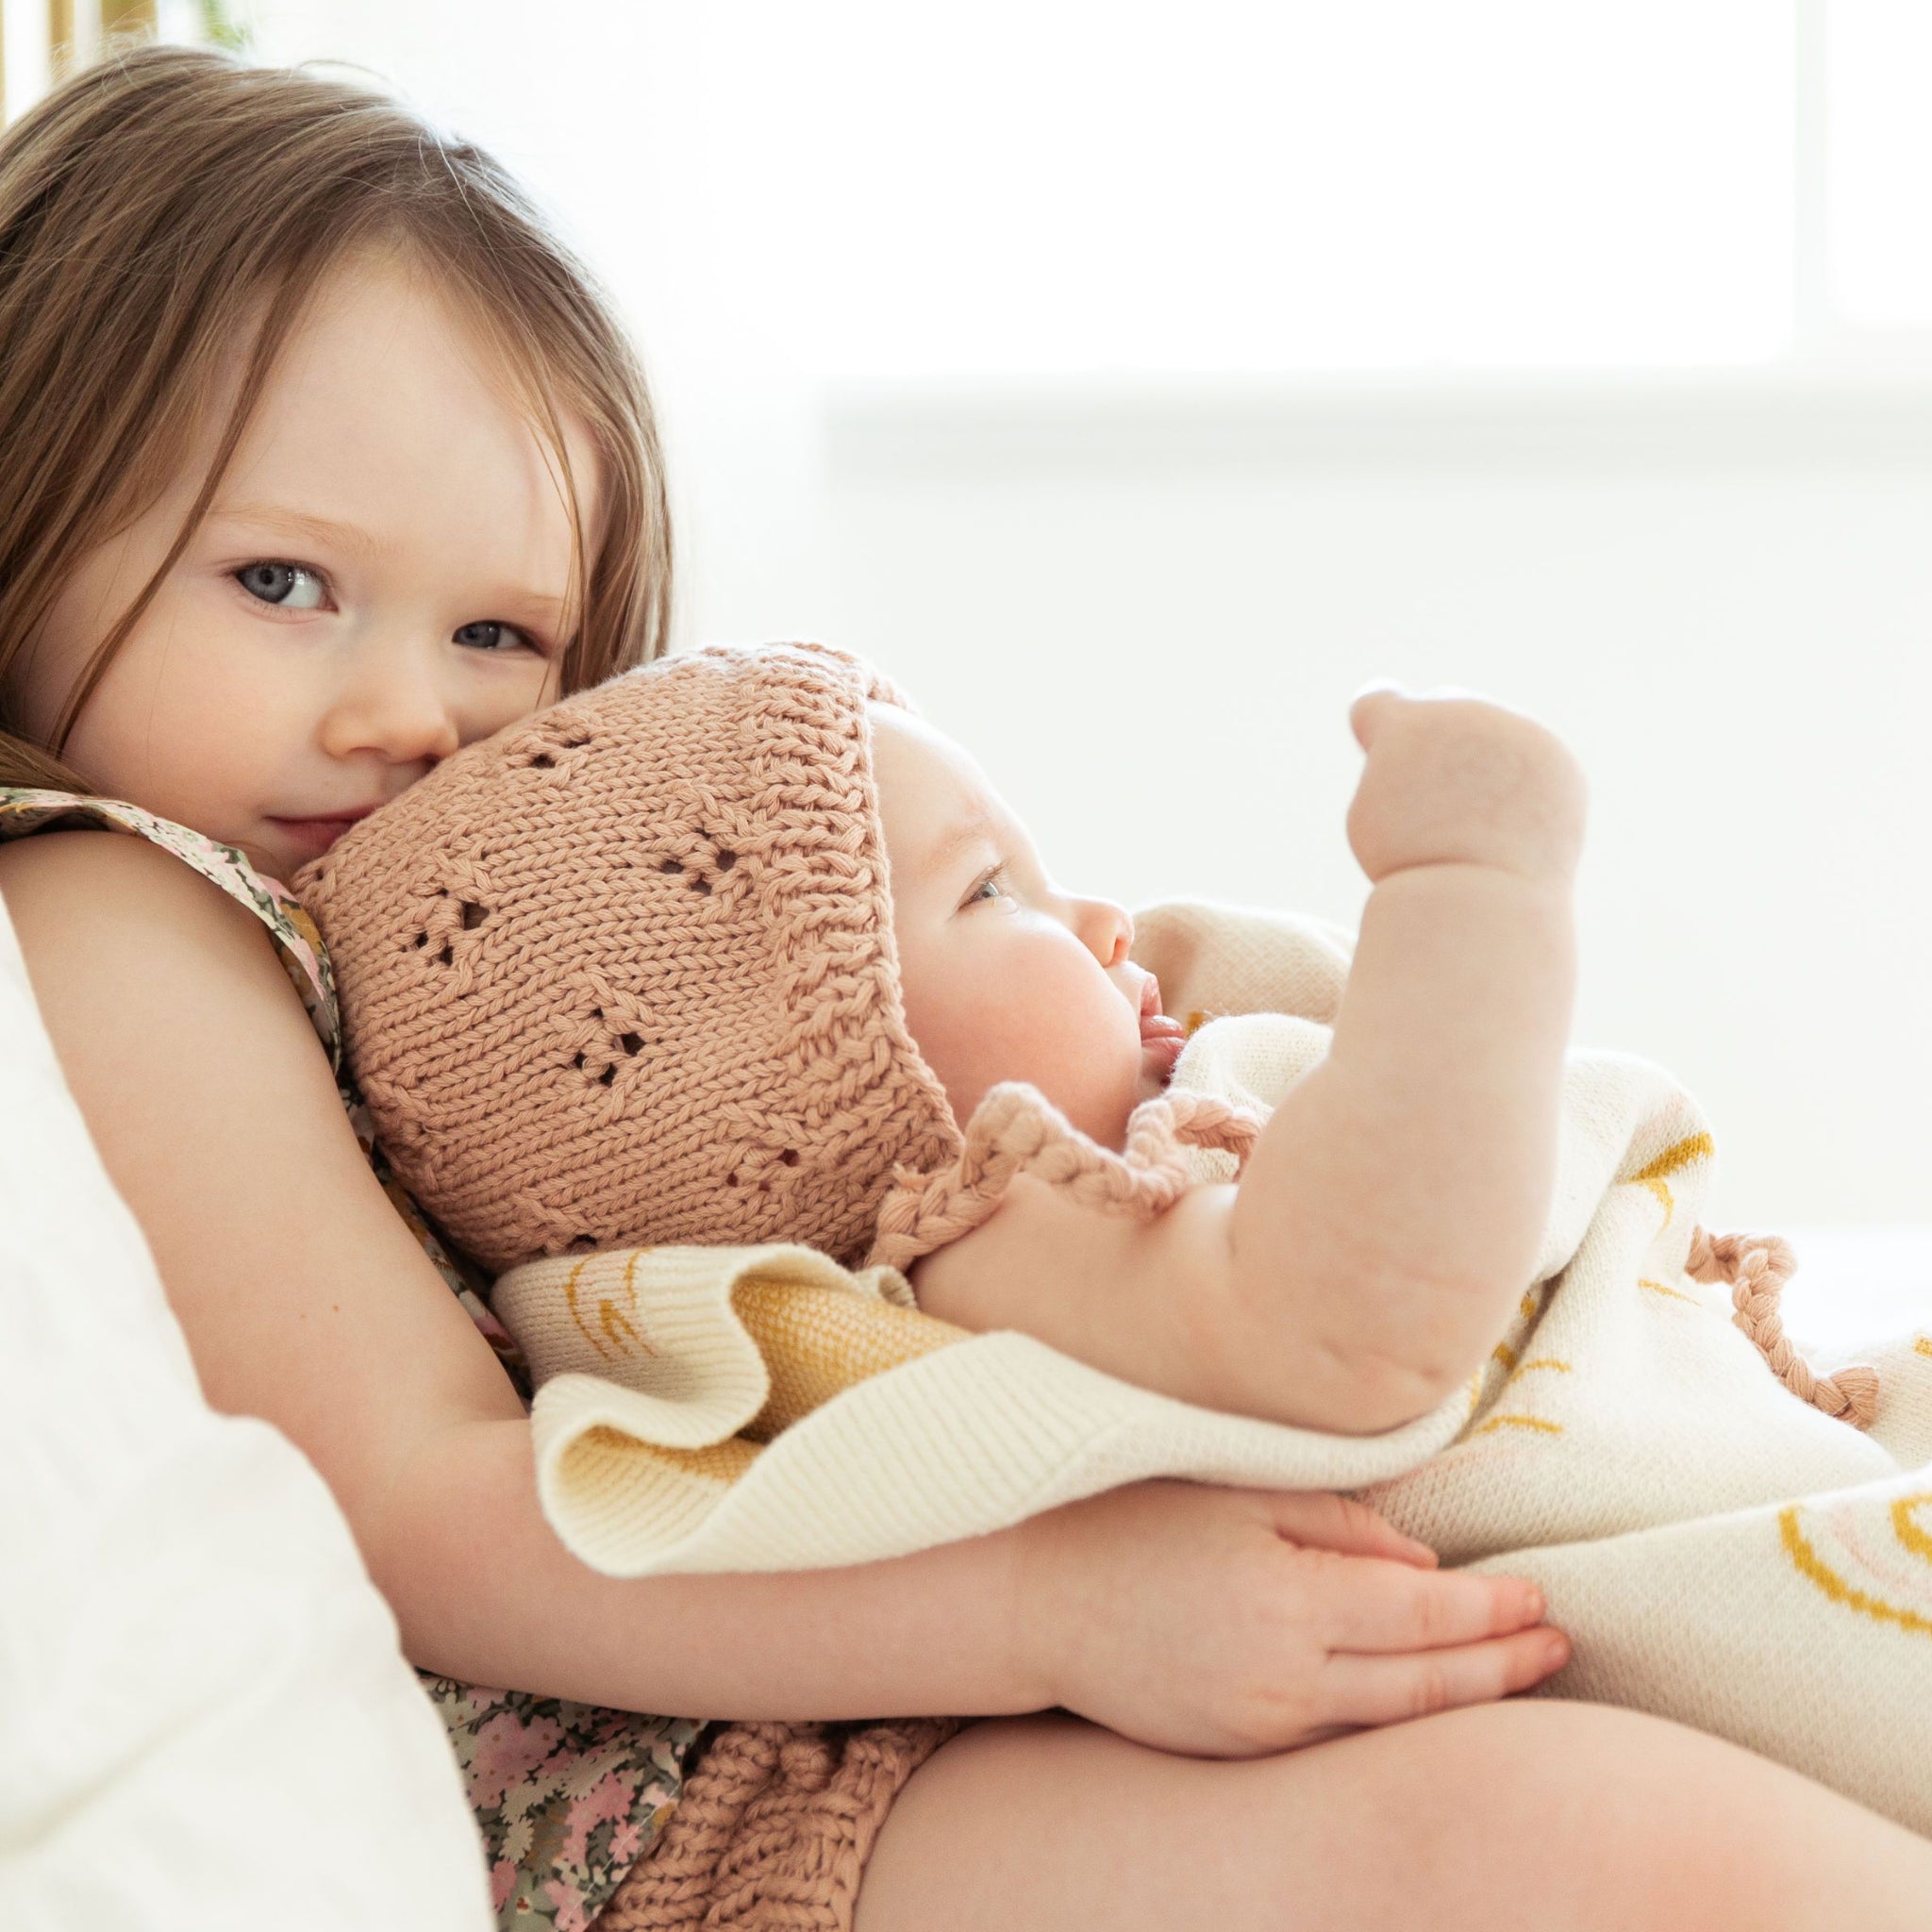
point(1148, 616)
point(1145, 604)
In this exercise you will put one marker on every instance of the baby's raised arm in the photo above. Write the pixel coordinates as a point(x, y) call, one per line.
point(1390, 1216)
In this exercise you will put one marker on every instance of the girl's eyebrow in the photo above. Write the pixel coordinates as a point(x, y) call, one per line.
point(299, 524)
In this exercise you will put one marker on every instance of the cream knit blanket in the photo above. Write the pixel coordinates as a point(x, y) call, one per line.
point(1719, 1550)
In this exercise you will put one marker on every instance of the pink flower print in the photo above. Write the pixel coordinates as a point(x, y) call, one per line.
point(509, 1750)
point(609, 1801)
point(567, 1902)
point(626, 1843)
point(503, 1881)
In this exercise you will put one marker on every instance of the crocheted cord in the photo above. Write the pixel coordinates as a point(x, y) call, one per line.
point(1016, 1130)
point(1755, 1267)
point(773, 1828)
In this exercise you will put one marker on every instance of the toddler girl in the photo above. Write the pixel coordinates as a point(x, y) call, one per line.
point(769, 954)
point(324, 460)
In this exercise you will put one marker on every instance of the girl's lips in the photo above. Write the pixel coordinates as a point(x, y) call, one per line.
point(314, 837)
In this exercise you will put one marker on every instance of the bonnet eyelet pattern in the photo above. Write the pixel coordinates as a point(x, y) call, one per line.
point(624, 976)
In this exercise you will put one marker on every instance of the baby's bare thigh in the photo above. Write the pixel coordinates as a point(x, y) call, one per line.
point(1538, 1815)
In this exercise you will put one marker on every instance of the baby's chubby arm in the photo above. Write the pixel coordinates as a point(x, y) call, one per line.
point(1390, 1216)
point(1399, 1194)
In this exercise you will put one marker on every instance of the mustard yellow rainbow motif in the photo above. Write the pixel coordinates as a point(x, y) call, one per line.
point(1906, 1528)
point(1686, 1153)
point(1518, 1421)
point(1518, 1370)
point(623, 1336)
point(1503, 1353)
point(1677, 1295)
point(1811, 1566)
point(1924, 1345)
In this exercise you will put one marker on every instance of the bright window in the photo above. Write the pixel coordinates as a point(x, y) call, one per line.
point(1879, 64)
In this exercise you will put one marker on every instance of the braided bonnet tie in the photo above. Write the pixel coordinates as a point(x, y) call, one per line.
point(1017, 1130)
point(1756, 1266)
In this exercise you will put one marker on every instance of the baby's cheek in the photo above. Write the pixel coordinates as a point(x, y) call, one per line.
point(1075, 1038)
point(1025, 1009)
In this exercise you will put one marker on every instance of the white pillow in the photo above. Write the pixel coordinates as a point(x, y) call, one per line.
point(205, 1718)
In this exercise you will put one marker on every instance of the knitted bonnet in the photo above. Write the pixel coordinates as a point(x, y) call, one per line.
point(622, 975)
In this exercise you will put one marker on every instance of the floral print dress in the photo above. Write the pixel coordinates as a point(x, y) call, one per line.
point(567, 1796)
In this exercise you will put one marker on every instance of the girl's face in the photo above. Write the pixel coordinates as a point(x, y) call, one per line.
point(383, 578)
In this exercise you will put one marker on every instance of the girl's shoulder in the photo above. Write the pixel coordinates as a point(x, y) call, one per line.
point(123, 935)
point(144, 895)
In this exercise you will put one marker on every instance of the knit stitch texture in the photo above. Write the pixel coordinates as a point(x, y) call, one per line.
point(623, 975)
point(774, 1829)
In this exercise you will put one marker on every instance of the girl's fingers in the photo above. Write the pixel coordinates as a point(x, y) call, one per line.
point(1320, 1521)
point(1356, 1689)
point(1391, 1606)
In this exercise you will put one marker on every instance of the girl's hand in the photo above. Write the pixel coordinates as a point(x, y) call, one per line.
point(1233, 1623)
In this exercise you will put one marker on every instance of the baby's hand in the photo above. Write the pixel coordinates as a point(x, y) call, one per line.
point(1455, 780)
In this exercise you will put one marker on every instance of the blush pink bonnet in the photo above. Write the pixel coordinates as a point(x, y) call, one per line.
point(624, 977)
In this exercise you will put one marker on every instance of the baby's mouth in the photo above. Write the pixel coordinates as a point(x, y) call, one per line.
point(1162, 1039)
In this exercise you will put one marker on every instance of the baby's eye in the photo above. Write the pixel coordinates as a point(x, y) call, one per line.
point(489, 634)
point(989, 886)
point(291, 586)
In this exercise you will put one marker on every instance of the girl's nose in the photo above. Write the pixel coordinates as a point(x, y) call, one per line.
point(392, 704)
point(1106, 930)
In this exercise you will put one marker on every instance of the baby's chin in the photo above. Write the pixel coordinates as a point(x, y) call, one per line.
point(1097, 1092)
point(1150, 1075)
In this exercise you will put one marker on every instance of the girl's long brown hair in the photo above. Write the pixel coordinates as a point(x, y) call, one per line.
point(163, 219)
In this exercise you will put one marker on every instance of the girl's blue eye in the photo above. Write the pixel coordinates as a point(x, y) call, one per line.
point(490, 635)
point(989, 887)
point(289, 586)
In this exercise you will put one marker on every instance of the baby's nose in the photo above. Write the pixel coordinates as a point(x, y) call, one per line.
point(1104, 930)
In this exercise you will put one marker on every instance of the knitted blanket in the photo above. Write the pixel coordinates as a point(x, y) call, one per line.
point(1722, 1542)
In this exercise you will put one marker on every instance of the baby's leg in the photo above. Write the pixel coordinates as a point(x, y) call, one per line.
point(1520, 1817)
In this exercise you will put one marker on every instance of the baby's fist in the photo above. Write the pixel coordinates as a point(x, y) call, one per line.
point(1453, 779)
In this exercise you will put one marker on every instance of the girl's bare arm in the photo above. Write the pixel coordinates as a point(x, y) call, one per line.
point(1390, 1216)
point(1207, 1621)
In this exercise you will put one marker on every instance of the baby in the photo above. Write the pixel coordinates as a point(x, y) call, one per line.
point(821, 942)
point(1334, 1288)
point(737, 950)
